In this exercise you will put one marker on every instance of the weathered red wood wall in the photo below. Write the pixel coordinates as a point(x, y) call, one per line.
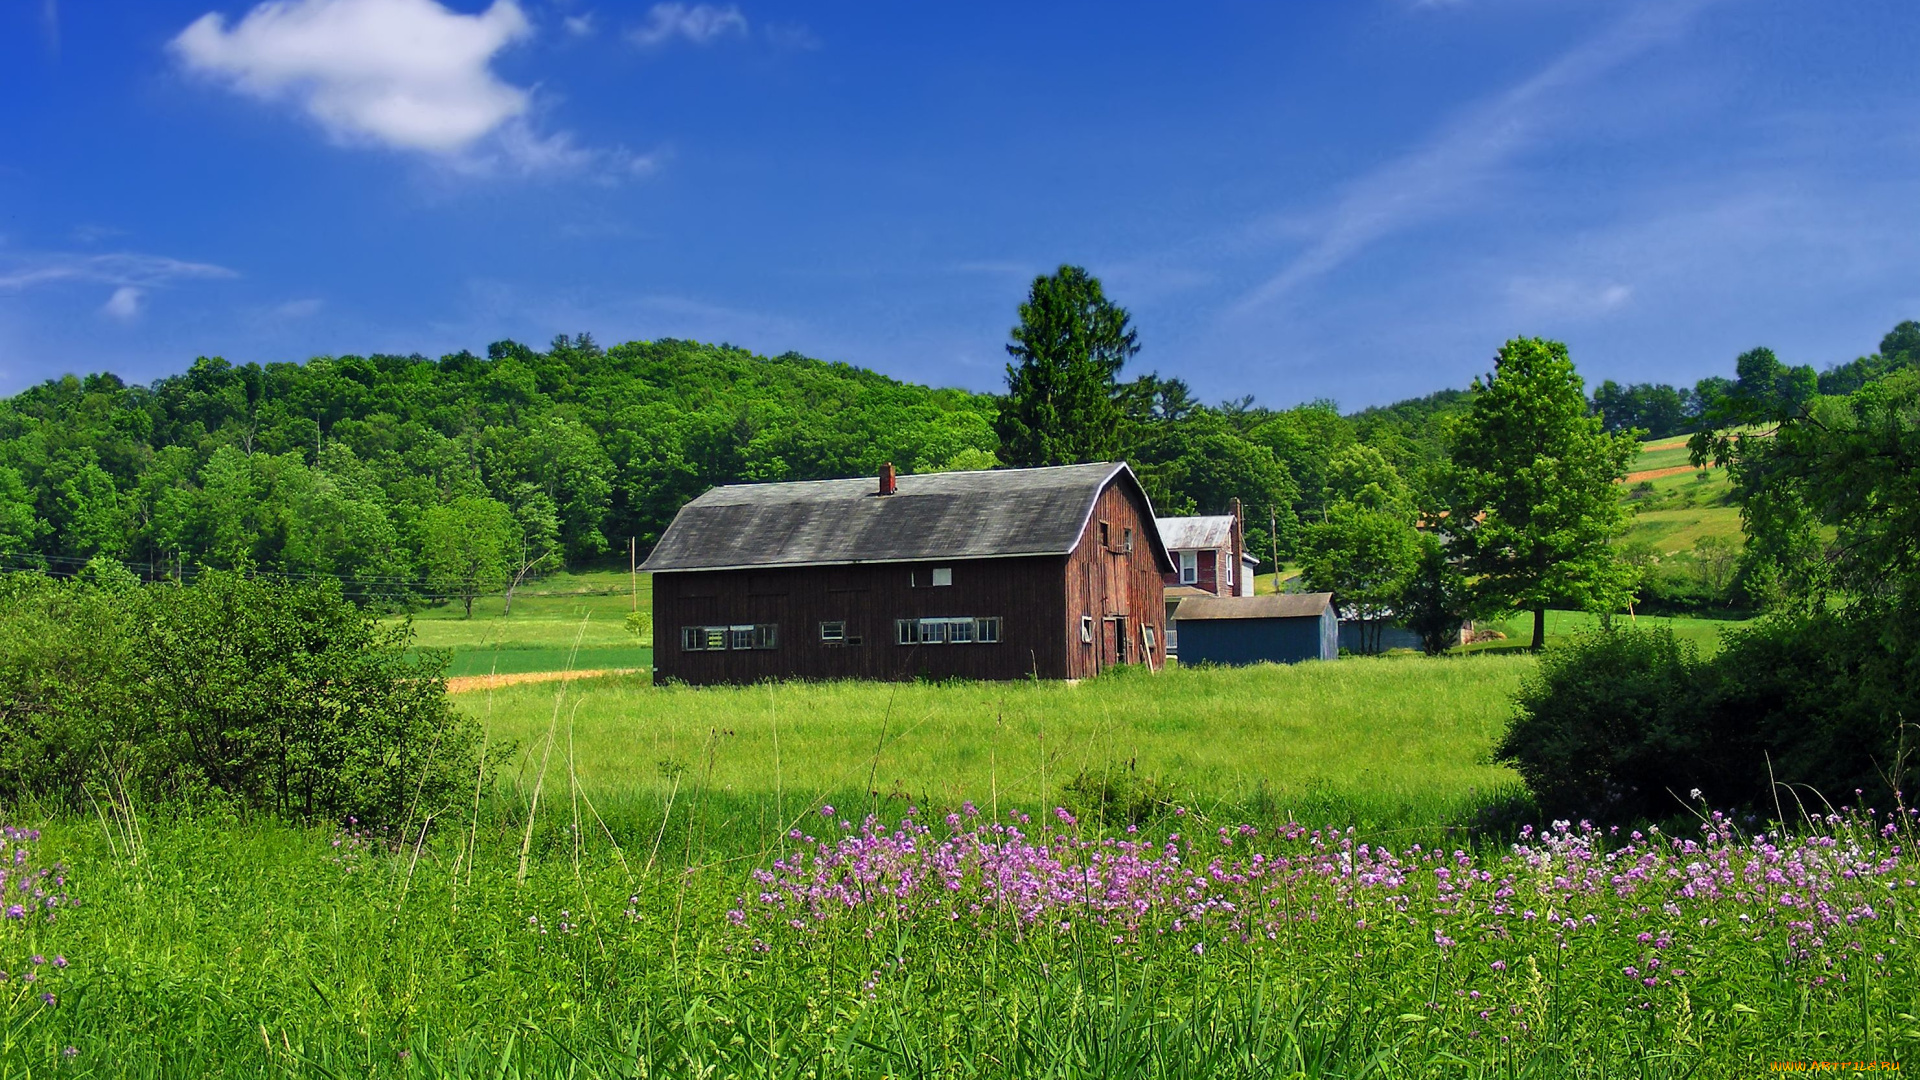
point(1115, 587)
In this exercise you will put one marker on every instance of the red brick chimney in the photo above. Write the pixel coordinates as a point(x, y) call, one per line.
point(887, 484)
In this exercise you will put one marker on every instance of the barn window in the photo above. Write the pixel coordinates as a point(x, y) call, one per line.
point(1189, 567)
point(933, 631)
point(1147, 633)
point(987, 631)
point(703, 638)
point(1104, 541)
point(766, 636)
point(906, 631)
point(740, 637)
point(1127, 540)
point(1086, 629)
point(833, 633)
point(960, 631)
point(942, 575)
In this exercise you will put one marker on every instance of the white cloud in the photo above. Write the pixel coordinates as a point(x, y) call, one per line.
point(698, 23)
point(579, 25)
point(24, 271)
point(1461, 162)
point(1564, 298)
point(299, 309)
point(408, 74)
point(125, 302)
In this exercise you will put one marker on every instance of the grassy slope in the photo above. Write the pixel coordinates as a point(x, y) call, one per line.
point(1685, 507)
point(1389, 739)
point(551, 619)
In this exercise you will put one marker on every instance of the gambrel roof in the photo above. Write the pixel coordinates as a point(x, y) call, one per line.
point(953, 515)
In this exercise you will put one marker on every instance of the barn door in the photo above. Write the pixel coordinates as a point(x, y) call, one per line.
point(1113, 643)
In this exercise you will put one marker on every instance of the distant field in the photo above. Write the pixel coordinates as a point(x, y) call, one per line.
point(1684, 507)
point(1563, 625)
point(1389, 740)
point(574, 616)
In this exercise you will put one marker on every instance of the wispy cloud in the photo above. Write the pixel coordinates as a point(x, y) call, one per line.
point(24, 270)
point(50, 25)
point(580, 25)
point(698, 23)
point(408, 75)
point(1467, 155)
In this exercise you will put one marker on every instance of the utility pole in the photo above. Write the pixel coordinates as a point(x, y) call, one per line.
point(633, 571)
point(1273, 534)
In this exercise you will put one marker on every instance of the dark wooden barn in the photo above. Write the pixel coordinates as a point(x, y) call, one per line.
point(1053, 573)
point(1235, 630)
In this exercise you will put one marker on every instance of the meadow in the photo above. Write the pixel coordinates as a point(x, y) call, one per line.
point(1302, 871)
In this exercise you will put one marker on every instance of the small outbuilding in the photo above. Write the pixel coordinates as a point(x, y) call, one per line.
point(1237, 630)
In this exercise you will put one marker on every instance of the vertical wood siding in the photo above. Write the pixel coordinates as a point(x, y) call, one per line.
point(1039, 600)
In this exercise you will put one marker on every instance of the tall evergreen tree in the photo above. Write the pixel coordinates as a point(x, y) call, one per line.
point(1068, 350)
point(1532, 505)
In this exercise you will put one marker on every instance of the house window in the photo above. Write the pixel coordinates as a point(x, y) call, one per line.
point(1086, 629)
point(942, 575)
point(722, 638)
point(947, 630)
point(833, 633)
point(1228, 574)
point(1189, 567)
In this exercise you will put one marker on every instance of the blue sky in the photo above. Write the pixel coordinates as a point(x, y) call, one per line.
point(1357, 200)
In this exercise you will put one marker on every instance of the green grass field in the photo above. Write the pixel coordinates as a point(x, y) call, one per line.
point(569, 621)
point(1383, 741)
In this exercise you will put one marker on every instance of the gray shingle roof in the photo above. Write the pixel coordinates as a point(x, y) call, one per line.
point(1280, 606)
point(954, 515)
point(1195, 533)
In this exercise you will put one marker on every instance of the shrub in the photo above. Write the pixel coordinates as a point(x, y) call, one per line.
point(1623, 723)
point(1611, 727)
point(1116, 796)
point(276, 697)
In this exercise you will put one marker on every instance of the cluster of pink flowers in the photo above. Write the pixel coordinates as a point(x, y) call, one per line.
point(1815, 894)
point(31, 898)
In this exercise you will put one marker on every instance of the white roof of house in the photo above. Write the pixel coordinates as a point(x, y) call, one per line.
point(1195, 533)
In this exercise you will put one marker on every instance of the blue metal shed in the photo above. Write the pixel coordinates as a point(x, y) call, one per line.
point(1239, 630)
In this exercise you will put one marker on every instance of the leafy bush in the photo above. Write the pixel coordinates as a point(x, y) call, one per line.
point(1627, 723)
point(275, 697)
point(1606, 729)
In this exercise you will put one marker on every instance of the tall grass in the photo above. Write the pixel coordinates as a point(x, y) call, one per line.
point(1385, 740)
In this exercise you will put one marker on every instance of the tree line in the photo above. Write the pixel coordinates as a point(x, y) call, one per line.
point(410, 478)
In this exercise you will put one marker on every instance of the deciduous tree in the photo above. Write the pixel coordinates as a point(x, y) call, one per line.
point(1531, 500)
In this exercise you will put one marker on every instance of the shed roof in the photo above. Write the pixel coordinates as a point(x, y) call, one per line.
point(1193, 533)
point(1274, 606)
point(952, 515)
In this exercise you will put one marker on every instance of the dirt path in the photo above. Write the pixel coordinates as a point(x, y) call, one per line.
point(467, 684)
point(1655, 474)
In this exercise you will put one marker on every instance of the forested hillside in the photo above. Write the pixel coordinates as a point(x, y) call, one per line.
point(413, 477)
point(363, 467)
point(389, 470)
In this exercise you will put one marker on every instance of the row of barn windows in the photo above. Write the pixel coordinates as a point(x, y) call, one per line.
point(950, 630)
